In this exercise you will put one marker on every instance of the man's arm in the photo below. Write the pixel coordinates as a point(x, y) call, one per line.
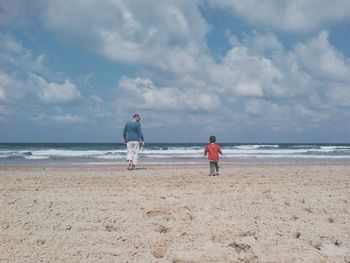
point(124, 134)
point(140, 133)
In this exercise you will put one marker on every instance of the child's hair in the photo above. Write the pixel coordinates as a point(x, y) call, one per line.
point(212, 139)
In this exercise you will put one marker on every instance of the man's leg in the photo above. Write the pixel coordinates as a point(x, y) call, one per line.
point(135, 158)
point(129, 155)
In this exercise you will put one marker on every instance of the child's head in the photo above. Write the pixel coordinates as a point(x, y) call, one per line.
point(212, 139)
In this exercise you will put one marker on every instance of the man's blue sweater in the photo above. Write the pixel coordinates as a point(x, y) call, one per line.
point(133, 131)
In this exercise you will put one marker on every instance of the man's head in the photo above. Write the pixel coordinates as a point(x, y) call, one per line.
point(212, 139)
point(136, 117)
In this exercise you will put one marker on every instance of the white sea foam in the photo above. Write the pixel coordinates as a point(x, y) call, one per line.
point(152, 153)
point(256, 146)
point(31, 157)
point(296, 156)
point(74, 153)
point(110, 157)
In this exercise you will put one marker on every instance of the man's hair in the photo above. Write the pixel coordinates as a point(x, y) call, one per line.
point(212, 139)
point(136, 115)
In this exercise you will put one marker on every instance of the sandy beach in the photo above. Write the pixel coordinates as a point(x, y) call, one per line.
point(175, 213)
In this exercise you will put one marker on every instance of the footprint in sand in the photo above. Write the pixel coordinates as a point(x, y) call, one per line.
point(162, 229)
point(158, 213)
point(159, 249)
point(178, 213)
point(239, 247)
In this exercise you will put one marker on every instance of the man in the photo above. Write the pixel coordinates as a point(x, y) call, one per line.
point(133, 137)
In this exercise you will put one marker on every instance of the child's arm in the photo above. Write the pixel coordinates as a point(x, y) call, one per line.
point(220, 152)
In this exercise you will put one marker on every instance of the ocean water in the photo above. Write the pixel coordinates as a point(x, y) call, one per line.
point(113, 153)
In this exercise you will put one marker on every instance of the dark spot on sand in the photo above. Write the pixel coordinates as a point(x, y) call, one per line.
point(162, 229)
point(330, 220)
point(309, 210)
point(40, 241)
point(111, 228)
point(239, 247)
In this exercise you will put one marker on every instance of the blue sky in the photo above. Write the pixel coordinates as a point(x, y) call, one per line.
point(245, 71)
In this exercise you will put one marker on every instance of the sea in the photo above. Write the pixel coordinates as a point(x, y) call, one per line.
point(168, 153)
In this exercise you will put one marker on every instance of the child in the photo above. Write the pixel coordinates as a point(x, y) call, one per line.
point(213, 150)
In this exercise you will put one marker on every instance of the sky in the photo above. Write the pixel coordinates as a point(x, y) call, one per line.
point(245, 71)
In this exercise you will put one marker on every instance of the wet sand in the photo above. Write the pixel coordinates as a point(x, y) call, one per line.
point(176, 213)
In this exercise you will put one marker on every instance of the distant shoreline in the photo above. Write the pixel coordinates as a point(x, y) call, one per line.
point(168, 153)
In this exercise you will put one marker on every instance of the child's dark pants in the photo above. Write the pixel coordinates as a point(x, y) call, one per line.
point(214, 168)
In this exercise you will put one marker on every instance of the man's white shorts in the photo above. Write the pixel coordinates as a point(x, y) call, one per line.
point(133, 151)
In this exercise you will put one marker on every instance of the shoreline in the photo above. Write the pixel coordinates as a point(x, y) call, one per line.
point(176, 163)
point(176, 213)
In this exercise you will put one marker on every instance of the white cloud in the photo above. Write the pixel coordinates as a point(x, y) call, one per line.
point(249, 88)
point(5, 82)
point(67, 118)
point(247, 74)
point(54, 92)
point(141, 93)
point(156, 33)
point(11, 10)
point(321, 59)
point(10, 87)
point(256, 77)
point(14, 55)
point(340, 95)
point(286, 15)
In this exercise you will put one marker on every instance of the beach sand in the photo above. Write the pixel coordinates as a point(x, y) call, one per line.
point(176, 213)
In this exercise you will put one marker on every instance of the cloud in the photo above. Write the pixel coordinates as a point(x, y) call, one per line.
point(290, 16)
point(16, 62)
point(2, 94)
point(321, 59)
point(340, 95)
point(10, 87)
point(67, 118)
point(247, 74)
point(11, 10)
point(324, 74)
point(143, 94)
point(257, 82)
point(15, 56)
point(54, 92)
point(155, 33)
point(5, 82)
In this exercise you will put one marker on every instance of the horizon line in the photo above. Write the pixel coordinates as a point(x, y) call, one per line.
point(71, 142)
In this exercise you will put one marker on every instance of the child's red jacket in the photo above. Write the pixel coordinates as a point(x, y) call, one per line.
point(213, 151)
